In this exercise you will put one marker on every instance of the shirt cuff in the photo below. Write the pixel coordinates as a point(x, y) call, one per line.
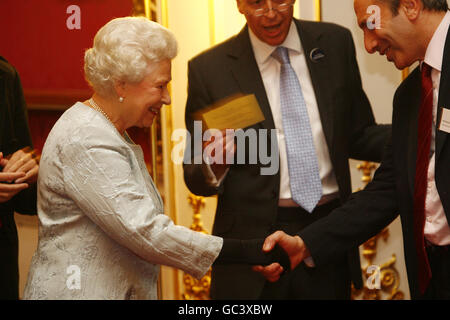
point(309, 262)
point(211, 178)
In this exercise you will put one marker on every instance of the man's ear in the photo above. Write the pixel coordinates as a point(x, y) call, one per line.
point(240, 5)
point(411, 8)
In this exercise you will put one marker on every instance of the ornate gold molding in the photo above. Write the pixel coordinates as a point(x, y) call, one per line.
point(366, 168)
point(196, 289)
point(212, 23)
point(139, 8)
point(318, 10)
point(405, 73)
point(389, 277)
point(145, 8)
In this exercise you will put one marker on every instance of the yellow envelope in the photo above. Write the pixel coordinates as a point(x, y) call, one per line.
point(235, 112)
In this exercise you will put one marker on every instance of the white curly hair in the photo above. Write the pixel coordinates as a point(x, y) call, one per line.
point(122, 51)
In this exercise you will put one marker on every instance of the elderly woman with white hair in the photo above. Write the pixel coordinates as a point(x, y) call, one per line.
point(102, 231)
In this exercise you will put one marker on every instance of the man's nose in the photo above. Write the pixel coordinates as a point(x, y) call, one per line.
point(270, 13)
point(370, 42)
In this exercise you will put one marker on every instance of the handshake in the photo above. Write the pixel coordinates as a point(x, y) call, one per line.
point(271, 257)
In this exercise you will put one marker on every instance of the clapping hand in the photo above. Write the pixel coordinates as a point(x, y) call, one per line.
point(24, 160)
point(19, 170)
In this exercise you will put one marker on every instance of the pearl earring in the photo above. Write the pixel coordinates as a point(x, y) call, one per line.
point(120, 99)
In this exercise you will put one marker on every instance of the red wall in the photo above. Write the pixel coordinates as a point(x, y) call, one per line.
point(49, 57)
point(35, 39)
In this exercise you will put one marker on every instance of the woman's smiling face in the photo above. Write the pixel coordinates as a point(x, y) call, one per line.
point(145, 99)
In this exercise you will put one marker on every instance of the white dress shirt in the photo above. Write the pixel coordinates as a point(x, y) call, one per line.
point(269, 68)
point(437, 230)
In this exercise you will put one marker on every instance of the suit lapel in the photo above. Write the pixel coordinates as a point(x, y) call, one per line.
point(319, 72)
point(444, 96)
point(411, 102)
point(246, 72)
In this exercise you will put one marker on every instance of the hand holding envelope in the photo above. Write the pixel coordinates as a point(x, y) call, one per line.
point(228, 147)
point(233, 113)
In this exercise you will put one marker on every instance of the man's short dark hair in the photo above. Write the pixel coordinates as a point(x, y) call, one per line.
point(431, 5)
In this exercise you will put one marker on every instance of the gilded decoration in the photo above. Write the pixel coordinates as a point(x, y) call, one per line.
point(381, 282)
point(138, 8)
point(196, 289)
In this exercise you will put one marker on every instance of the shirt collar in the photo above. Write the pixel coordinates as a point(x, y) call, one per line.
point(435, 50)
point(263, 50)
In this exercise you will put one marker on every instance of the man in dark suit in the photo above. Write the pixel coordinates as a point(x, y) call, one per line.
point(414, 177)
point(18, 175)
point(252, 204)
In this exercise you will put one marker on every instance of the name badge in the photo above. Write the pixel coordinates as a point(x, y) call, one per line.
point(444, 125)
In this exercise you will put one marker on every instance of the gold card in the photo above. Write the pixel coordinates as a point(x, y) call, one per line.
point(235, 112)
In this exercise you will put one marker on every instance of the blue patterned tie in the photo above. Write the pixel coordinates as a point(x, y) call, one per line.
point(306, 187)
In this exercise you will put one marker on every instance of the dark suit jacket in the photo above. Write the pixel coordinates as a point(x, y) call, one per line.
point(14, 135)
point(248, 201)
point(391, 191)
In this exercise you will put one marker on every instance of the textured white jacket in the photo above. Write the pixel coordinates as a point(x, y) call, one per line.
point(102, 231)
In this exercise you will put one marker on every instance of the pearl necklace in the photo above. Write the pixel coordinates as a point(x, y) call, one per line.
point(96, 107)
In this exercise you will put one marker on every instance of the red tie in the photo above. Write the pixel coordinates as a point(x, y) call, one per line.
point(421, 180)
